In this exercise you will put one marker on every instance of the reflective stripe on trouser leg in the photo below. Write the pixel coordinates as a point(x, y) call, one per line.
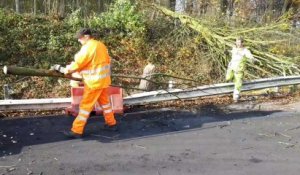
point(80, 121)
point(79, 124)
point(87, 103)
point(107, 109)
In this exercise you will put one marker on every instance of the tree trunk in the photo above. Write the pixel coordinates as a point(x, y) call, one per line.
point(77, 4)
point(189, 6)
point(100, 6)
point(55, 7)
point(45, 6)
point(13, 70)
point(17, 6)
point(34, 7)
point(48, 7)
point(223, 7)
point(231, 7)
point(62, 8)
point(285, 7)
point(180, 6)
point(200, 7)
point(165, 3)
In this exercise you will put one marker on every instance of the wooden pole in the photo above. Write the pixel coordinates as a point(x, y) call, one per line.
point(13, 70)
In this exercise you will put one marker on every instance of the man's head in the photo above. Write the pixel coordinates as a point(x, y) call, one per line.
point(239, 42)
point(83, 35)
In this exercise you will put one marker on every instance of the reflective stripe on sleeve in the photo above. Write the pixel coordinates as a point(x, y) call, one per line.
point(97, 77)
point(107, 67)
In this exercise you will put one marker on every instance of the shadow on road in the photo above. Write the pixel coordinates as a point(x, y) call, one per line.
point(18, 133)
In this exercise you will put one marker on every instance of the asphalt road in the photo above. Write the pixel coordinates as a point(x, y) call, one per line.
point(241, 139)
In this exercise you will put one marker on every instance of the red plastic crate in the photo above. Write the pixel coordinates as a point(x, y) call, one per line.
point(116, 99)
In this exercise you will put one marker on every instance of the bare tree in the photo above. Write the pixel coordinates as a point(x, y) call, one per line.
point(17, 6)
point(55, 7)
point(62, 7)
point(227, 7)
point(223, 6)
point(230, 8)
point(47, 6)
point(78, 3)
point(165, 3)
point(286, 5)
point(200, 7)
point(180, 6)
point(34, 7)
point(100, 5)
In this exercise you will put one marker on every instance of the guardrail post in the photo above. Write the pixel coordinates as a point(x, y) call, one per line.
point(144, 84)
point(170, 85)
point(6, 91)
point(277, 89)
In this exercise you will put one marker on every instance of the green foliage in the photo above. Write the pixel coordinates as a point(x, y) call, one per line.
point(31, 41)
point(123, 30)
point(74, 20)
point(40, 41)
point(122, 17)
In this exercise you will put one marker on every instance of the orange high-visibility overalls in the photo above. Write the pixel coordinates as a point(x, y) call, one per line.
point(93, 63)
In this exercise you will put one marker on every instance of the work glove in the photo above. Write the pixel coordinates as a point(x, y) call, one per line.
point(74, 83)
point(58, 68)
point(67, 70)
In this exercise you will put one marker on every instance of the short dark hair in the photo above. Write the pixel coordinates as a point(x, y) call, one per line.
point(84, 31)
point(240, 38)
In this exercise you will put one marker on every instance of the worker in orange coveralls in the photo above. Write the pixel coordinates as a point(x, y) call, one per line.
point(93, 63)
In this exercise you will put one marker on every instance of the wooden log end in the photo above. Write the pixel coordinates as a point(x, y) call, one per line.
point(5, 70)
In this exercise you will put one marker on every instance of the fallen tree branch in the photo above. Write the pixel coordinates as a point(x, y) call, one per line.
point(218, 40)
point(14, 70)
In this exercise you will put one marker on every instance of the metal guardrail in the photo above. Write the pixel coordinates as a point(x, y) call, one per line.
point(209, 90)
point(35, 104)
point(156, 96)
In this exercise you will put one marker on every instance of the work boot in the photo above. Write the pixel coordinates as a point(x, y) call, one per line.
point(72, 135)
point(110, 128)
point(236, 98)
